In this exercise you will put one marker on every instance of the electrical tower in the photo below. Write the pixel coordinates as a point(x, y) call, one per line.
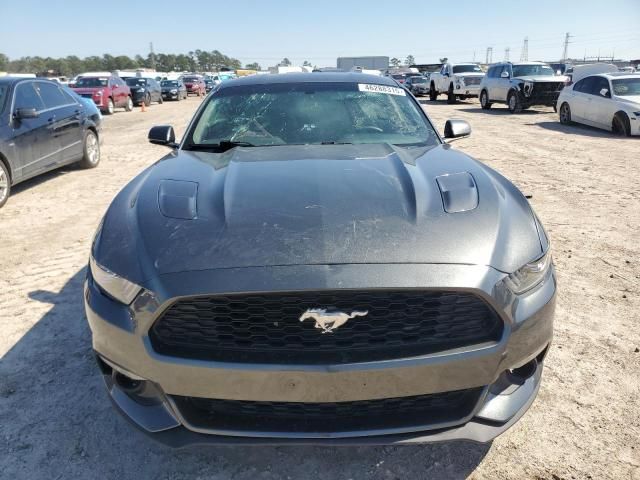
point(489, 58)
point(152, 56)
point(506, 54)
point(524, 55)
point(567, 37)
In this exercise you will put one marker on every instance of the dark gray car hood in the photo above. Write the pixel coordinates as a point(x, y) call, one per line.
point(304, 205)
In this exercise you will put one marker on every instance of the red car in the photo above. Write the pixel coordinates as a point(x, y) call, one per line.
point(108, 92)
point(195, 84)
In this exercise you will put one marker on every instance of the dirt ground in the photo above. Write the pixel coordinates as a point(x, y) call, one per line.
point(56, 421)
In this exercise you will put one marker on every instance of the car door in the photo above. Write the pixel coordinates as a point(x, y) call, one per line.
point(503, 83)
point(579, 98)
point(600, 108)
point(67, 120)
point(116, 91)
point(33, 139)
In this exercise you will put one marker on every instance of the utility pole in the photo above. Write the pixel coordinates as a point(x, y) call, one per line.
point(506, 54)
point(489, 57)
point(152, 56)
point(567, 37)
point(524, 54)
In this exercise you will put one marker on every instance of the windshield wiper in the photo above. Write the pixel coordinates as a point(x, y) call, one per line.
point(223, 146)
point(336, 143)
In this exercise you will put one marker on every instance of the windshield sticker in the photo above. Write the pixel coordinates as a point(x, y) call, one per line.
point(367, 87)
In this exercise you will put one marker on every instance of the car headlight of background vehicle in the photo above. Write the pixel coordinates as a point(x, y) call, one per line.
point(530, 275)
point(116, 286)
point(637, 114)
point(174, 90)
point(527, 88)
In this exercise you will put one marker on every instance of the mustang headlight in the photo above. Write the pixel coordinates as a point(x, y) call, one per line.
point(530, 275)
point(119, 288)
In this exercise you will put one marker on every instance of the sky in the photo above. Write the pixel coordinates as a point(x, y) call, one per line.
point(320, 31)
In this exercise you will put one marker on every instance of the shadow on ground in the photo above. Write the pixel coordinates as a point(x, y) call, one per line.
point(57, 422)
point(42, 178)
point(576, 129)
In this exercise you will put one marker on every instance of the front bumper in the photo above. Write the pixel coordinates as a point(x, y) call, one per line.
point(120, 339)
point(467, 90)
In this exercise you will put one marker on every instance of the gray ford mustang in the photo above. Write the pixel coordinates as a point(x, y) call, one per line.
point(313, 263)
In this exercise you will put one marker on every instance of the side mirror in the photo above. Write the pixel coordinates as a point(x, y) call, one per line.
point(163, 135)
point(605, 93)
point(504, 75)
point(456, 129)
point(22, 113)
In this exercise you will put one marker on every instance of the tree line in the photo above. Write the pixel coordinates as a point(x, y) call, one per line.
point(197, 60)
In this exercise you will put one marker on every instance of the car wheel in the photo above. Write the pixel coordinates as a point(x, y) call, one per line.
point(5, 184)
point(484, 100)
point(129, 105)
point(147, 100)
point(433, 95)
point(451, 98)
point(514, 102)
point(565, 114)
point(90, 150)
point(621, 125)
point(110, 107)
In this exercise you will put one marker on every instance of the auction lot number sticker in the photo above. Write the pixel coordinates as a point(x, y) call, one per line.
point(368, 87)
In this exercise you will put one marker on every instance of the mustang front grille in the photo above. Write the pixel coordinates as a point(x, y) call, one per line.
point(297, 417)
point(266, 327)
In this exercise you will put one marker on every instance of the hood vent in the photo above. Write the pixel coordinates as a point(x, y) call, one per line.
point(177, 199)
point(459, 192)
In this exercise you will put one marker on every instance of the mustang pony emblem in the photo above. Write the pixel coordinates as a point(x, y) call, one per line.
point(329, 321)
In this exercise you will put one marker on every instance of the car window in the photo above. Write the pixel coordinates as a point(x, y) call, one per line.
point(27, 97)
point(579, 86)
point(135, 81)
point(4, 89)
point(91, 82)
point(466, 68)
point(51, 95)
point(597, 84)
point(621, 86)
point(312, 113)
point(532, 70)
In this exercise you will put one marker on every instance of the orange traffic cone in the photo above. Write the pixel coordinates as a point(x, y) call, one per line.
point(142, 106)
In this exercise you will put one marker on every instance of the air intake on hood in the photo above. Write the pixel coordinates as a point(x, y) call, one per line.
point(459, 192)
point(177, 199)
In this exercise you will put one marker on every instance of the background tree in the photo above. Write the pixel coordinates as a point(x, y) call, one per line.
point(394, 61)
point(409, 60)
point(306, 63)
point(253, 66)
point(443, 60)
point(4, 61)
point(285, 62)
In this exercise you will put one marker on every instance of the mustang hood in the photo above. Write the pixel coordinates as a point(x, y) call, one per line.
point(303, 205)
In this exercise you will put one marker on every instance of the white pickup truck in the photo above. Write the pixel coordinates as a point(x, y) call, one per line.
point(457, 80)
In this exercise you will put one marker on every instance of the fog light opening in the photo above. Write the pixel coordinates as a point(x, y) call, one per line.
point(128, 385)
point(520, 374)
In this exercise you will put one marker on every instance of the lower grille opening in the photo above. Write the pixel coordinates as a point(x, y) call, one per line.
point(322, 418)
point(266, 327)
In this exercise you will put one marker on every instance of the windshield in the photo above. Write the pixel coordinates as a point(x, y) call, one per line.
point(191, 79)
point(532, 70)
point(622, 87)
point(169, 83)
point(92, 82)
point(418, 80)
point(135, 82)
point(311, 113)
point(397, 76)
point(466, 68)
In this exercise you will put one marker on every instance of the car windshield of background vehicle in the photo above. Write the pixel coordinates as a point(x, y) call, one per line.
point(532, 71)
point(136, 82)
point(169, 83)
point(397, 77)
point(418, 80)
point(191, 79)
point(311, 113)
point(92, 82)
point(623, 87)
point(466, 69)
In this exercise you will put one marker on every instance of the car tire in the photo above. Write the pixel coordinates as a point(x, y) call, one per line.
point(485, 104)
point(451, 97)
point(110, 107)
point(129, 105)
point(621, 125)
point(90, 150)
point(147, 100)
point(565, 114)
point(5, 184)
point(514, 102)
point(433, 94)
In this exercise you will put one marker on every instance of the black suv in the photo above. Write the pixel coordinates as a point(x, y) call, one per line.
point(42, 127)
point(145, 90)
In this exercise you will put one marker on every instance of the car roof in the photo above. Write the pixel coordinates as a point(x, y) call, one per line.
point(9, 80)
point(315, 77)
point(621, 75)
